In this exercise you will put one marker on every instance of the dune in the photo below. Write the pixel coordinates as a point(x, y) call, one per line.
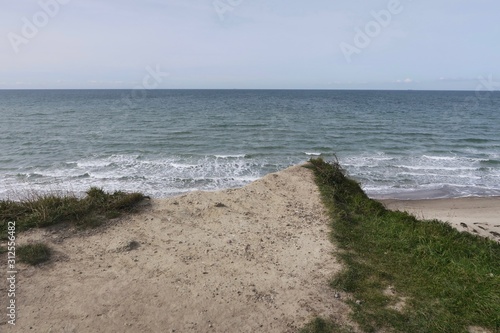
point(253, 259)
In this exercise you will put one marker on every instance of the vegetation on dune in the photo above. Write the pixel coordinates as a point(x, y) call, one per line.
point(40, 211)
point(33, 254)
point(405, 274)
point(319, 325)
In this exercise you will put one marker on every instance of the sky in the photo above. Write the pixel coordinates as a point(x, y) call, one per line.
point(250, 44)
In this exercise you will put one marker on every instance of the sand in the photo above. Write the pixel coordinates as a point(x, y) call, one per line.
point(480, 216)
point(254, 259)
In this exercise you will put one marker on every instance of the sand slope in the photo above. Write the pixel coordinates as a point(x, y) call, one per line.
point(255, 259)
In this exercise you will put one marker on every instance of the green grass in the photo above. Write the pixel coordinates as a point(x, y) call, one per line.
point(40, 211)
point(450, 280)
point(319, 325)
point(33, 254)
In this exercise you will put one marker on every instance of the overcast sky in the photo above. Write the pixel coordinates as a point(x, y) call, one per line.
point(315, 44)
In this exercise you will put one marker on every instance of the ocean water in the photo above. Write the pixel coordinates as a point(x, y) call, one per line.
point(397, 144)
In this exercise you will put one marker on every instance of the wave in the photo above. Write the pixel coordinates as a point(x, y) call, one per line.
point(32, 175)
point(440, 158)
point(434, 167)
point(165, 175)
point(231, 156)
point(475, 140)
point(432, 191)
point(154, 176)
point(490, 162)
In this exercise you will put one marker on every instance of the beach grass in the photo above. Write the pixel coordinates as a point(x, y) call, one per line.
point(37, 211)
point(33, 254)
point(320, 325)
point(403, 274)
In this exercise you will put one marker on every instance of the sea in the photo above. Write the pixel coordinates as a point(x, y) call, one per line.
point(396, 144)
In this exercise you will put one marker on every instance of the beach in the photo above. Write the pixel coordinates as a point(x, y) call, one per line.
point(480, 216)
point(254, 259)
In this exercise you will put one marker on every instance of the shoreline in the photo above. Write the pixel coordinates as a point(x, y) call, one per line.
point(477, 215)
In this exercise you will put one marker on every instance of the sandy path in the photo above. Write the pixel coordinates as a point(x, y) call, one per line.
point(255, 259)
point(480, 216)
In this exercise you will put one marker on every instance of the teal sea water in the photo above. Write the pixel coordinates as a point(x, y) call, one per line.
point(397, 144)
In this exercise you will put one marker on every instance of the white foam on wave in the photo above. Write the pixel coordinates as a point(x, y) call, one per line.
point(423, 175)
point(364, 160)
point(156, 176)
point(181, 166)
point(430, 191)
point(161, 176)
point(93, 163)
point(231, 156)
point(455, 159)
point(433, 167)
point(440, 158)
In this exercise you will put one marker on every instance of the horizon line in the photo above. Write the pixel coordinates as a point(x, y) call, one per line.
point(242, 89)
